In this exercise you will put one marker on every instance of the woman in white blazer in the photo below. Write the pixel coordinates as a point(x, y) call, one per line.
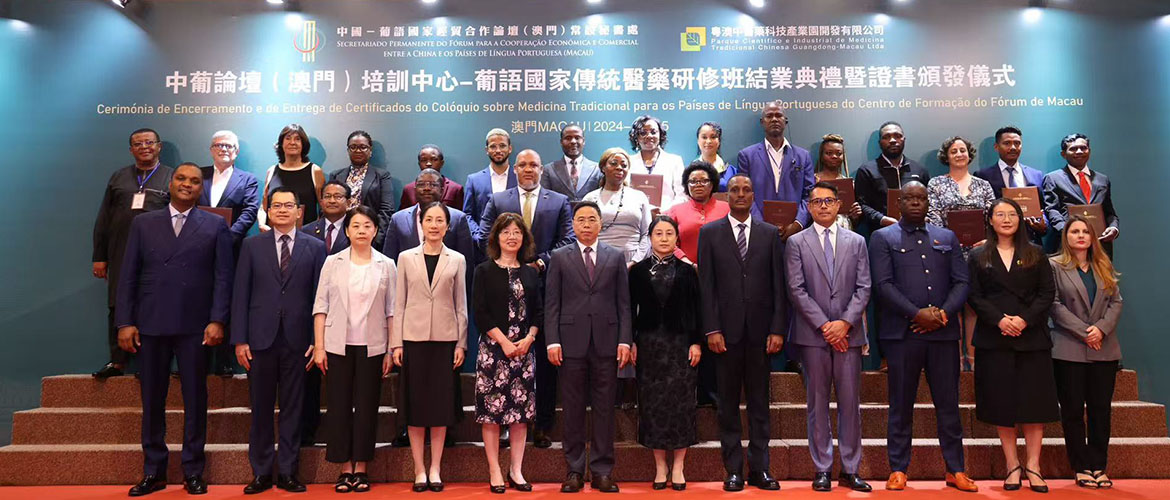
point(429, 340)
point(352, 326)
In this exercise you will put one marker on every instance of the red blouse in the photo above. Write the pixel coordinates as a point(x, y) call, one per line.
point(690, 217)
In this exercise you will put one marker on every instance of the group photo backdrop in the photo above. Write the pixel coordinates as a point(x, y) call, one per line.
point(77, 76)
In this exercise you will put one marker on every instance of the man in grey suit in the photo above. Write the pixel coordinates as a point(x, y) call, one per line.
point(829, 285)
point(573, 175)
point(587, 321)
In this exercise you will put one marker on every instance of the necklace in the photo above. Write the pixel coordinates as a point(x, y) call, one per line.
point(621, 203)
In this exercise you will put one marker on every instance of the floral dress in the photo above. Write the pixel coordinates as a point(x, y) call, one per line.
point(505, 388)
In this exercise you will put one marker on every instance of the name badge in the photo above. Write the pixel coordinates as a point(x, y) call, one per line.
point(139, 201)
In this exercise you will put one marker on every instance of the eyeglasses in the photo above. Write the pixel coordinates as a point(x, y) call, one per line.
point(359, 147)
point(421, 184)
point(143, 144)
point(699, 182)
point(333, 197)
point(824, 202)
point(223, 146)
point(286, 206)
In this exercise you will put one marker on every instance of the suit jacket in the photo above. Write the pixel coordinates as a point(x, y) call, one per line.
point(476, 193)
point(679, 313)
point(1061, 188)
point(111, 228)
point(491, 292)
point(333, 301)
point(430, 310)
point(452, 195)
point(175, 285)
point(552, 225)
point(264, 302)
point(377, 193)
point(578, 310)
point(815, 299)
point(797, 173)
point(1072, 314)
point(556, 177)
point(913, 268)
point(1026, 292)
point(317, 230)
point(242, 195)
point(1032, 177)
point(744, 299)
point(402, 234)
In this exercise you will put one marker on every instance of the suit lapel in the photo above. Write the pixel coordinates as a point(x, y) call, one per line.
point(368, 180)
point(443, 259)
point(190, 226)
point(814, 246)
point(769, 176)
point(413, 225)
point(579, 264)
point(271, 256)
point(731, 239)
point(1074, 276)
point(233, 183)
point(297, 254)
point(342, 280)
point(586, 173)
point(843, 254)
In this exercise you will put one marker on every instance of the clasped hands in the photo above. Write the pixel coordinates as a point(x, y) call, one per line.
point(928, 319)
point(836, 334)
point(1094, 338)
point(1012, 326)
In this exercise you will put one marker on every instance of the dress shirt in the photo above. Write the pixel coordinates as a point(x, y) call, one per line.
point(1007, 178)
point(219, 182)
point(174, 212)
point(292, 239)
point(363, 285)
point(499, 181)
point(832, 229)
point(747, 231)
point(776, 158)
point(535, 199)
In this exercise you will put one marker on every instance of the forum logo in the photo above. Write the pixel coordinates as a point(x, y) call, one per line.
point(308, 41)
point(693, 39)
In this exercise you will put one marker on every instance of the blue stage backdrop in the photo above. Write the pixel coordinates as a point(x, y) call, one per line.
point(77, 76)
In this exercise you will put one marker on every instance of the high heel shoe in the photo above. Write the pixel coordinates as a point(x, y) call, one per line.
point(658, 485)
point(1090, 483)
point(1103, 481)
point(421, 487)
point(1012, 486)
point(518, 486)
point(1038, 489)
point(678, 486)
point(497, 489)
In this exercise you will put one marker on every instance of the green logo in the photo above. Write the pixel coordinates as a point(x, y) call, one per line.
point(693, 39)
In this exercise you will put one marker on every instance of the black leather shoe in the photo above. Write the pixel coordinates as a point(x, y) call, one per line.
point(733, 482)
point(401, 440)
point(854, 482)
point(657, 485)
point(604, 484)
point(436, 486)
point(149, 484)
point(822, 482)
point(678, 486)
point(518, 486)
point(108, 371)
point(289, 484)
point(573, 483)
point(497, 489)
point(195, 485)
point(762, 480)
point(258, 484)
point(540, 439)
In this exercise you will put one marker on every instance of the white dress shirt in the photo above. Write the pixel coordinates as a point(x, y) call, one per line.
point(1018, 175)
point(219, 182)
point(776, 158)
point(499, 181)
point(747, 231)
point(174, 212)
point(292, 238)
point(363, 285)
point(832, 229)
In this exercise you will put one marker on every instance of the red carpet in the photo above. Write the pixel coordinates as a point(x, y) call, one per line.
point(1130, 489)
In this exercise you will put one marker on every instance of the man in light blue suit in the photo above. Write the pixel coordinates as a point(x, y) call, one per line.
point(403, 233)
point(497, 177)
point(829, 284)
point(779, 170)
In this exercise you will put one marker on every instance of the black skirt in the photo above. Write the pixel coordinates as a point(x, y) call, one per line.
point(1015, 387)
point(666, 391)
point(429, 386)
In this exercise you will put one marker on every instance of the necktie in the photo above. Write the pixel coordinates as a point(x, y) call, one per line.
point(573, 173)
point(1085, 188)
point(1011, 171)
point(829, 254)
point(179, 223)
point(285, 253)
point(741, 240)
point(528, 209)
point(329, 238)
point(590, 266)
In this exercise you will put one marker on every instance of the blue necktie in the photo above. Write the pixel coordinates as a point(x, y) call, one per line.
point(741, 241)
point(829, 254)
point(1011, 171)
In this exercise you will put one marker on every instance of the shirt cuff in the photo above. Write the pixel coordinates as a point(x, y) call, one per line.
point(550, 346)
point(624, 344)
point(712, 332)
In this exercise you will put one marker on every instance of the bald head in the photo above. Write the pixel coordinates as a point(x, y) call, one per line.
point(528, 169)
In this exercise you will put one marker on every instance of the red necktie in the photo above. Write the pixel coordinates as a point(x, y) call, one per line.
point(1085, 188)
point(329, 238)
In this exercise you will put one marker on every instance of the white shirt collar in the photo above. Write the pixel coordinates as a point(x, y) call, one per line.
point(1075, 171)
point(580, 160)
point(1004, 166)
point(493, 173)
point(535, 192)
point(832, 228)
point(783, 145)
point(292, 233)
point(227, 171)
point(735, 222)
point(175, 211)
point(583, 246)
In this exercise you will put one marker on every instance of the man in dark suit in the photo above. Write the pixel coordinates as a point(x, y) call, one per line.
point(890, 170)
point(272, 330)
point(330, 227)
point(497, 177)
point(745, 316)
point(548, 216)
point(131, 191)
point(225, 186)
point(573, 175)
point(450, 192)
point(403, 232)
point(173, 299)
point(1077, 185)
point(1009, 172)
point(369, 185)
point(778, 169)
point(920, 280)
point(829, 285)
point(588, 325)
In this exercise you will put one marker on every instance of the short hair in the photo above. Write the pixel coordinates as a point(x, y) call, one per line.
point(281, 189)
point(1010, 129)
point(497, 131)
point(194, 166)
point(888, 123)
point(348, 192)
point(639, 122)
point(604, 160)
point(143, 131)
point(527, 251)
point(1071, 138)
point(825, 185)
point(662, 218)
point(832, 139)
point(586, 204)
point(228, 134)
point(431, 146)
point(703, 166)
point(364, 211)
point(571, 125)
point(774, 102)
point(739, 174)
point(428, 171)
point(292, 128)
point(361, 133)
point(427, 206)
point(943, 157)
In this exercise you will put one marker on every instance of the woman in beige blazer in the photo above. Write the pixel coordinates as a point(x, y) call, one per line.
point(1085, 352)
point(429, 340)
point(352, 326)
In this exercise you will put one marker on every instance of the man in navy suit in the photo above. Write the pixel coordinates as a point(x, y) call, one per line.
point(829, 285)
point(573, 174)
point(272, 329)
point(403, 232)
point(778, 169)
point(1009, 172)
point(920, 281)
point(1075, 184)
point(547, 214)
point(497, 177)
point(173, 299)
point(745, 317)
point(330, 227)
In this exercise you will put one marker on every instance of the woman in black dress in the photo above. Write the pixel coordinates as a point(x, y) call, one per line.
point(508, 306)
point(1012, 290)
point(664, 295)
point(294, 170)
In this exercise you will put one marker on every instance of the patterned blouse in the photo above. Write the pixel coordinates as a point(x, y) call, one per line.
point(944, 196)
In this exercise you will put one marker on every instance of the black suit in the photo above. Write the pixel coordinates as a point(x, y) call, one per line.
point(744, 299)
point(1061, 189)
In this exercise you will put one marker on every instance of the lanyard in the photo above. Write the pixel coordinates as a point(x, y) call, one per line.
point(142, 182)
